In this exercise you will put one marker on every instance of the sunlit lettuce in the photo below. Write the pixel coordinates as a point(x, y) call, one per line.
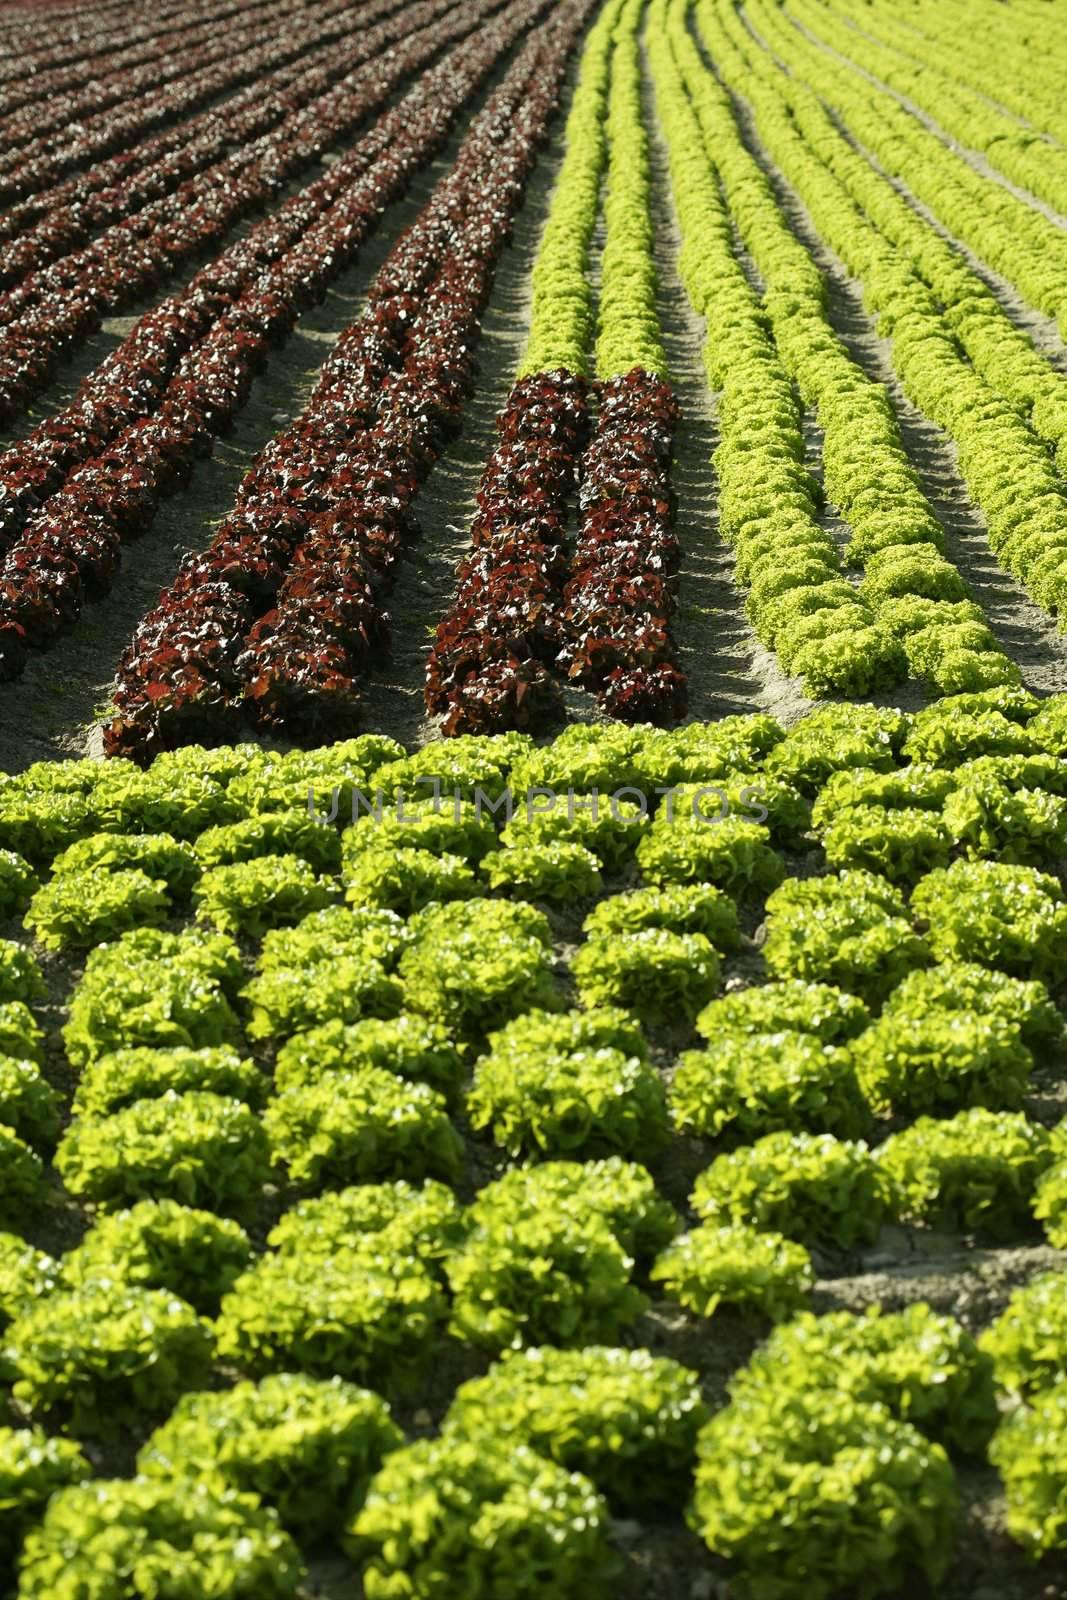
point(112, 1082)
point(81, 909)
point(351, 1314)
point(248, 897)
point(748, 1269)
point(1009, 917)
point(22, 1180)
point(572, 1084)
point(28, 1103)
point(912, 1061)
point(159, 1244)
point(199, 1148)
point(21, 1035)
point(195, 1539)
point(407, 880)
point(154, 988)
point(732, 853)
point(974, 1172)
point(306, 1446)
point(659, 976)
point(271, 833)
point(794, 1005)
point(681, 907)
point(1027, 1340)
point(361, 1125)
point(409, 1046)
point(158, 855)
point(850, 930)
point(390, 1218)
point(1029, 1451)
point(472, 1514)
point(813, 1188)
point(473, 966)
point(32, 1468)
point(900, 845)
point(26, 1275)
point(742, 1085)
point(625, 1418)
point(18, 882)
point(99, 1359)
point(964, 986)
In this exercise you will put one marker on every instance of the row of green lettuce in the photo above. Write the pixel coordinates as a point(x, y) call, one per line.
point(324, 1016)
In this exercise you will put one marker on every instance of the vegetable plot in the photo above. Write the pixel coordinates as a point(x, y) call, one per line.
point(532, 991)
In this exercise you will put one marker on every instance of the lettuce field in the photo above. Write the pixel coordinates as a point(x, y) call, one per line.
point(533, 800)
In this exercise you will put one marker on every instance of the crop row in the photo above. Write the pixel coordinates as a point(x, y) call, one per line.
point(995, 446)
point(528, 610)
point(317, 1020)
point(287, 636)
point(53, 311)
point(56, 220)
point(142, 418)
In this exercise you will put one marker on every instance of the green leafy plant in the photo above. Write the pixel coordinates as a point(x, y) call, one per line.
point(80, 909)
point(20, 975)
point(362, 1125)
point(351, 1314)
point(924, 1366)
point(198, 1148)
point(964, 986)
point(158, 1244)
point(752, 1270)
point(548, 869)
point(915, 1061)
point(680, 907)
point(284, 1001)
point(445, 827)
point(18, 883)
point(28, 1103)
point(1027, 1340)
point(273, 833)
point(32, 1468)
point(626, 1419)
point(1050, 1199)
point(578, 1083)
point(308, 1447)
point(732, 853)
point(26, 1275)
point(657, 975)
point(21, 1035)
point(540, 1278)
point(609, 828)
point(818, 1493)
point(102, 1357)
point(915, 788)
point(794, 1005)
point(158, 855)
point(116, 1081)
point(248, 897)
point(22, 1179)
point(549, 1250)
point(974, 1171)
point(407, 880)
point(475, 965)
point(1008, 917)
point(155, 988)
point(900, 845)
point(811, 1187)
point(850, 930)
point(195, 1541)
point(409, 1046)
point(746, 1084)
point(392, 1218)
point(1029, 1451)
point(480, 1517)
point(367, 933)
point(835, 739)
